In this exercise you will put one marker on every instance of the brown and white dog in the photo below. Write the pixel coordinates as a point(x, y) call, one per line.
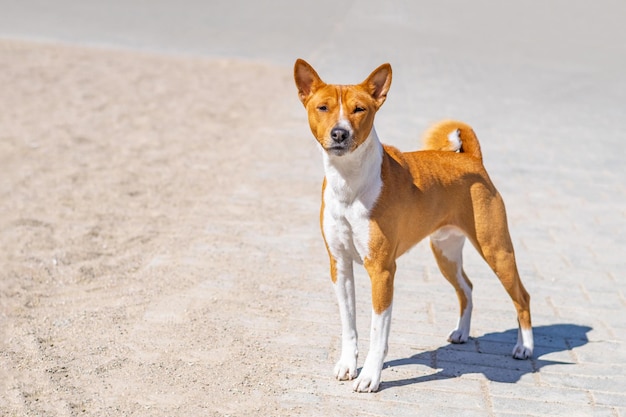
point(377, 202)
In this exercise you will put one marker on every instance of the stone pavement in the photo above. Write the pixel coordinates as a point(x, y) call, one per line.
point(543, 86)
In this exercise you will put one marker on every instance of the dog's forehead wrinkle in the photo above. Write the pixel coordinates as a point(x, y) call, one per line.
point(329, 94)
point(352, 95)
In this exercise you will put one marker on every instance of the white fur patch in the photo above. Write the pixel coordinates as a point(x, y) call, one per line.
point(344, 289)
point(455, 140)
point(369, 378)
point(449, 240)
point(353, 184)
point(343, 121)
point(461, 333)
point(525, 344)
point(445, 233)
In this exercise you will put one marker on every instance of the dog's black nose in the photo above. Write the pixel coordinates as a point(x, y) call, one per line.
point(339, 134)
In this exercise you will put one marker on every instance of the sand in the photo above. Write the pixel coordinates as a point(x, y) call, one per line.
point(141, 198)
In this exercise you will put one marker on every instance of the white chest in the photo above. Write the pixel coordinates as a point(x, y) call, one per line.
point(353, 185)
point(346, 228)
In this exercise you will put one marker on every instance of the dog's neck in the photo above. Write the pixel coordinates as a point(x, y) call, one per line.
point(356, 175)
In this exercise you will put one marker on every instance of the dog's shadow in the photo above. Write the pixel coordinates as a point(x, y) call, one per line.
point(490, 355)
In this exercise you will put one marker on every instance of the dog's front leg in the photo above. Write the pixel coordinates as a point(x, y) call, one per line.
point(344, 288)
point(382, 297)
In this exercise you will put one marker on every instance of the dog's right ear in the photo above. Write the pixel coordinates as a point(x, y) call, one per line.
point(306, 79)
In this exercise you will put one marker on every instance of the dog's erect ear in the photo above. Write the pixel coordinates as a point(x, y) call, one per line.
point(378, 83)
point(307, 80)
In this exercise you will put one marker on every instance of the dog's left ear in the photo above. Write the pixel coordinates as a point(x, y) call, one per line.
point(378, 83)
point(306, 79)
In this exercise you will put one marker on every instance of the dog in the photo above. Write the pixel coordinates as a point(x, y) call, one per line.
point(378, 202)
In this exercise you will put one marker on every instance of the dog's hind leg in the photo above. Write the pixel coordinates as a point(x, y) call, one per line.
point(493, 242)
point(447, 246)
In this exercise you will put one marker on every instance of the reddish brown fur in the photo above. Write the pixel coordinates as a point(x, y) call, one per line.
point(426, 190)
point(422, 191)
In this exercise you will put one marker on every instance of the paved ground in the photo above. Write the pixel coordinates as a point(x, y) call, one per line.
point(226, 242)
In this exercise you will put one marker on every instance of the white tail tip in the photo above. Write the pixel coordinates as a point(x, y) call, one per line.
point(455, 140)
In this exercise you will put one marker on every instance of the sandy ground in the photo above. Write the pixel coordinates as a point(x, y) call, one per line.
point(140, 200)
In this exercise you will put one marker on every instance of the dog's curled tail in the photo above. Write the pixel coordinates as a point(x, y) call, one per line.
point(453, 136)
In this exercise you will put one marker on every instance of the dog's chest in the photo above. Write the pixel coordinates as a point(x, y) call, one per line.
point(346, 224)
point(353, 185)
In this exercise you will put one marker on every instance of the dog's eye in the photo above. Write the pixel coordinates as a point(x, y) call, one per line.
point(322, 108)
point(358, 109)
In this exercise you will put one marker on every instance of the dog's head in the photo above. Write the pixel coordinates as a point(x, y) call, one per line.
point(341, 116)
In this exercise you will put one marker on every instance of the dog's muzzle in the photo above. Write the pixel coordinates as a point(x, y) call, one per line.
point(340, 141)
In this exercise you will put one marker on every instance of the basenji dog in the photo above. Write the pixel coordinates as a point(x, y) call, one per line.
point(378, 202)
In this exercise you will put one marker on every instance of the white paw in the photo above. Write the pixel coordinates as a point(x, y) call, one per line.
point(522, 352)
point(368, 380)
point(458, 336)
point(524, 347)
point(345, 369)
